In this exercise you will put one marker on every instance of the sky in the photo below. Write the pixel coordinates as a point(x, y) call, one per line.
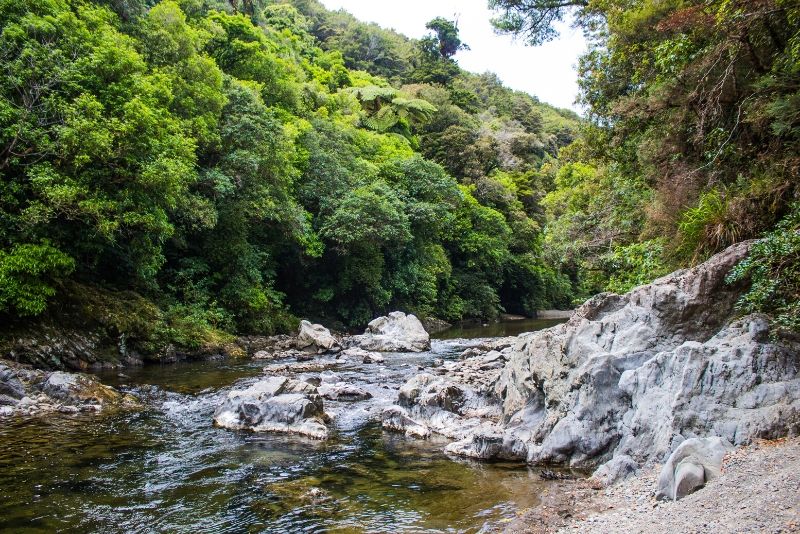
point(547, 71)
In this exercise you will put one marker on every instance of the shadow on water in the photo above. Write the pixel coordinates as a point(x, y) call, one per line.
point(167, 469)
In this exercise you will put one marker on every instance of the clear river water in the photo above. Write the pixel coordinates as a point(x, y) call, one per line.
point(165, 468)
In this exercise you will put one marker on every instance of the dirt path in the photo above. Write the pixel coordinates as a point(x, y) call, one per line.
point(759, 491)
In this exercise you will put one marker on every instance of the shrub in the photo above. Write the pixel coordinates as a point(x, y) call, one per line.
point(773, 268)
point(28, 274)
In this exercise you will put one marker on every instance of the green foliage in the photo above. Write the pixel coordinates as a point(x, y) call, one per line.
point(633, 265)
point(773, 270)
point(533, 20)
point(694, 137)
point(369, 216)
point(28, 273)
point(706, 227)
point(177, 171)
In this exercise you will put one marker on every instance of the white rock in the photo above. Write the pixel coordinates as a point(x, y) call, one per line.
point(315, 337)
point(693, 463)
point(396, 332)
point(277, 404)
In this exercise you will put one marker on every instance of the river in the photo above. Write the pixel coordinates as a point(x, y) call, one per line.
point(165, 468)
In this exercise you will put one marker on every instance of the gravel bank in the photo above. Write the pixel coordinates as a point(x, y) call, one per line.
point(759, 491)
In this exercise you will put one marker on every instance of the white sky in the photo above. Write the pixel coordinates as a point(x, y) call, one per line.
point(547, 71)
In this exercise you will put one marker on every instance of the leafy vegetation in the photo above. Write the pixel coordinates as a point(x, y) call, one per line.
point(221, 167)
point(692, 143)
point(773, 268)
point(207, 167)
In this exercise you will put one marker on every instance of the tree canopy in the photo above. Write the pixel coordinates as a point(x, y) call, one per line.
point(222, 167)
point(694, 136)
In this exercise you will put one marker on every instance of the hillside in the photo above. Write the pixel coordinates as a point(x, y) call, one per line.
point(177, 172)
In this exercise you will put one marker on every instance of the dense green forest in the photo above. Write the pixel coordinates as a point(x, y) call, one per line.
point(182, 170)
point(175, 172)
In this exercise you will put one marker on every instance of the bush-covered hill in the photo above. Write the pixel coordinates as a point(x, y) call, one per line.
point(229, 166)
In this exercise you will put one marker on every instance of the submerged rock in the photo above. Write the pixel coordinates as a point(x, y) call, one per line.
point(315, 338)
point(396, 332)
point(76, 388)
point(277, 404)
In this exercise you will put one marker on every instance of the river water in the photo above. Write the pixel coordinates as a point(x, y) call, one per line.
point(165, 468)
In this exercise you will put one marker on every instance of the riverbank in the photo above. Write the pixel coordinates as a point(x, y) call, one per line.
point(758, 491)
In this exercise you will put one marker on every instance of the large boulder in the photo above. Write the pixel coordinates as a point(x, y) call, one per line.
point(694, 462)
point(315, 338)
point(396, 332)
point(636, 374)
point(277, 404)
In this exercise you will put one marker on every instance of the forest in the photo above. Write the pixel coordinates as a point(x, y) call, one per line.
point(178, 172)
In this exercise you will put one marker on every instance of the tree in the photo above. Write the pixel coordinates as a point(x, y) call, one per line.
point(534, 20)
point(446, 40)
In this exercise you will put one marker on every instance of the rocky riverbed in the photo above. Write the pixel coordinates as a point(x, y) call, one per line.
point(25, 391)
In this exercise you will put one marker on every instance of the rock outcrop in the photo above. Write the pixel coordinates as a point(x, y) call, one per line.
point(694, 462)
point(315, 338)
point(277, 404)
point(29, 391)
point(428, 403)
point(433, 325)
point(396, 332)
point(629, 377)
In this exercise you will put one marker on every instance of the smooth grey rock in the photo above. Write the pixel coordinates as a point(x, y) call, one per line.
point(694, 462)
point(618, 468)
point(630, 374)
point(397, 419)
point(315, 338)
point(396, 332)
point(277, 404)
